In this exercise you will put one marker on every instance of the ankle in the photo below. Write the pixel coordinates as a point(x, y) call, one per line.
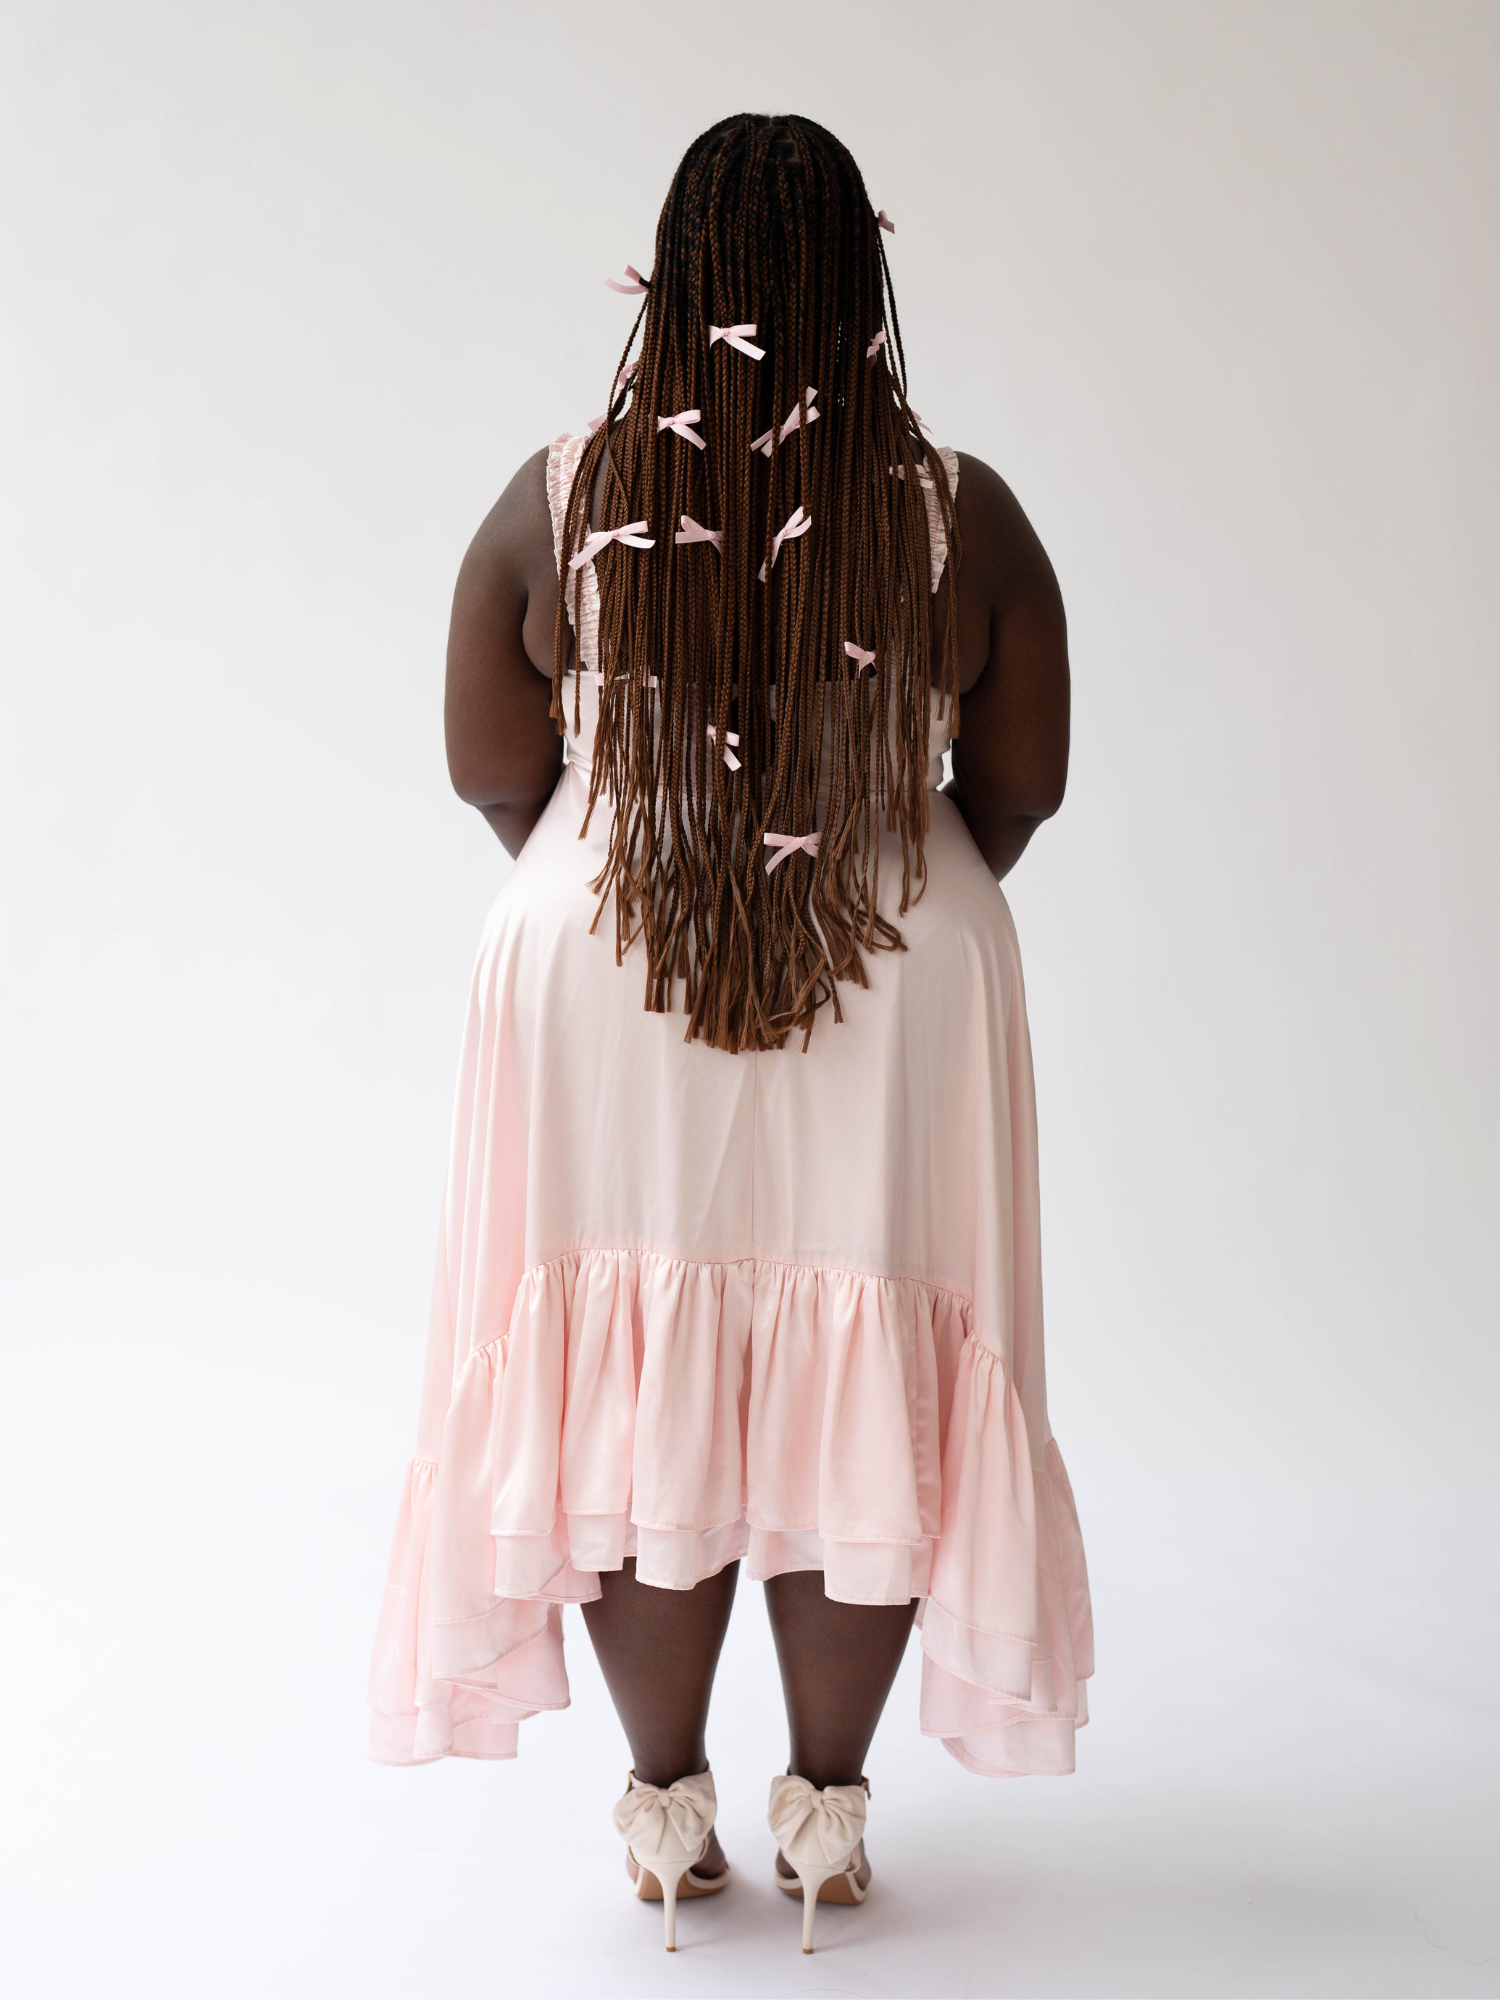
point(824, 1772)
point(664, 1771)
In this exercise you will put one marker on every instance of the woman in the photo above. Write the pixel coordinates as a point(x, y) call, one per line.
point(740, 1256)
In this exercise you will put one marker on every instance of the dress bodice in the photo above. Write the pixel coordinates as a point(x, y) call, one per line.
point(562, 468)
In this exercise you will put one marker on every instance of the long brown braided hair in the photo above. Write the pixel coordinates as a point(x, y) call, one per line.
point(766, 223)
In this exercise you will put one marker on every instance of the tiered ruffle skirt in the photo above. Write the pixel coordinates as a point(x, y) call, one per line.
point(661, 1328)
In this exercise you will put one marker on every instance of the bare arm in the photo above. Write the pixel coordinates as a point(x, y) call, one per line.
point(1010, 761)
point(504, 752)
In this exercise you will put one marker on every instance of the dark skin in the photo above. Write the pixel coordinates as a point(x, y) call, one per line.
point(658, 1649)
point(1010, 763)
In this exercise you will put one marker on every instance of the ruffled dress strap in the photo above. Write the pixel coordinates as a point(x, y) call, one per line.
point(939, 729)
point(937, 539)
point(563, 457)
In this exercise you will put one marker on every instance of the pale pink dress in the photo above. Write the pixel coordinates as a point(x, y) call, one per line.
point(693, 1306)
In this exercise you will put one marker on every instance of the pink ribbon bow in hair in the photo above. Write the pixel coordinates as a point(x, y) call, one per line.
point(729, 737)
point(797, 523)
point(924, 478)
point(768, 440)
point(732, 336)
point(885, 222)
point(875, 345)
point(601, 538)
point(788, 843)
point(859, 654)
point(639, 283)
point(680, 424)
point(692, 532)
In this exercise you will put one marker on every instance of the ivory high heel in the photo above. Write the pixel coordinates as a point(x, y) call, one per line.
point(822, 1834)
point(666, 1830)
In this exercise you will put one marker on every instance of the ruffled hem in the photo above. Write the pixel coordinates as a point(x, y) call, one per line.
point(691, 1415)
point(999, 1713)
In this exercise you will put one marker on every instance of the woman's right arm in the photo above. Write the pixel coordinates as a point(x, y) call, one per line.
point(504, 752)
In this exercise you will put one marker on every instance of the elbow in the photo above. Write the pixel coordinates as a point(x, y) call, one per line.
point(504, 787)
point(475, 784)
point(475, 789)
point(1033, 794)
point(1047, 797)
point(1036, 790)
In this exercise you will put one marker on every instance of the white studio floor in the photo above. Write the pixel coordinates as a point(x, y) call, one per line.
point(1270, 1801)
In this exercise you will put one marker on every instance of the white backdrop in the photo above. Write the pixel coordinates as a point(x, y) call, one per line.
point(288, 292)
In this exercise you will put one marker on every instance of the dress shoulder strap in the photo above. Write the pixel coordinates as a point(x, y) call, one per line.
point(937, 540)
point(563, 455)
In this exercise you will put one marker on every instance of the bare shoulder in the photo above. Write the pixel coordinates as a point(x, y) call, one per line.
point(1002, 552)
point(1002, 565)
point(516, 534)
point(508, 577)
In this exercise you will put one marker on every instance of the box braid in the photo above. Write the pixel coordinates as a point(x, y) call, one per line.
point(766, 221)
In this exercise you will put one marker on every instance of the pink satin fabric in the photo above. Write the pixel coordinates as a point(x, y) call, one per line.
point(692, 1307)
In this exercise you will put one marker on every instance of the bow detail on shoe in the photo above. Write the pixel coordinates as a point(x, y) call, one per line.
point(817, 1830)
point(671, 1822)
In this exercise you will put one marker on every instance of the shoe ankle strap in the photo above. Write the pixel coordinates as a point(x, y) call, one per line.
point(860, 1780)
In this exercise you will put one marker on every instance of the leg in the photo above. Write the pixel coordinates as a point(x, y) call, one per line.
point(837, 1665)
point(658, 1650)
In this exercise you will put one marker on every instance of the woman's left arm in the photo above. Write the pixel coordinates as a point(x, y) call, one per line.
point(1010, 758)
point(504, 752)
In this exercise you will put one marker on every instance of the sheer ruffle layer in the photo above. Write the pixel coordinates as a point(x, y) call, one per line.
point(689, 1414)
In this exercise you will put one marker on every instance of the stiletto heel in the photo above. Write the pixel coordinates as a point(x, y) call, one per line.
point(666, 1830)
point(822, 1834)
point(669, 1907)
